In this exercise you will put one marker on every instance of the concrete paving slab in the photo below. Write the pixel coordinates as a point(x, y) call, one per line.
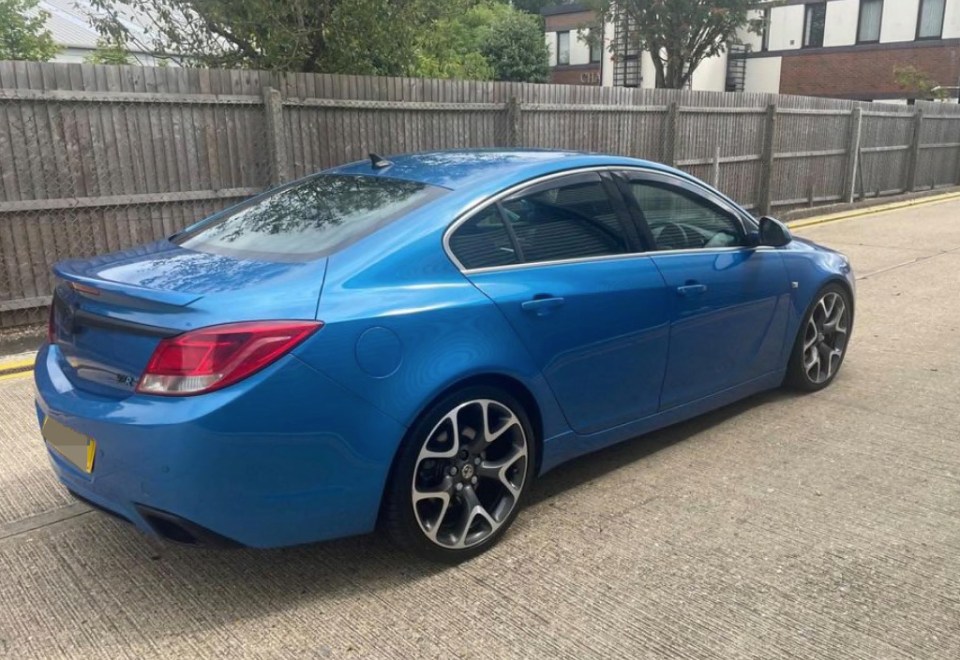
point(27, 486)
point(787, 526)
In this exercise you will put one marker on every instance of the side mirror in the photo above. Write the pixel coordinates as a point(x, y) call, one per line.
point(773, 233)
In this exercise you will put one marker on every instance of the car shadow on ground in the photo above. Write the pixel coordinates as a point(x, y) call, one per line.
point(245, 583)
point(572, 474)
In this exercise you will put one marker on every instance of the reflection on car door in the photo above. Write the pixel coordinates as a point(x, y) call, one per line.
point(729, 300)
point(561, 262)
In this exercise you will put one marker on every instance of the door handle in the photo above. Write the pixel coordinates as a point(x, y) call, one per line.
point(542, 305)
point(692, 289)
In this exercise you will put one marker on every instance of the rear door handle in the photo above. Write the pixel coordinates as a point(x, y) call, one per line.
point(692, 289)
point(542, 305)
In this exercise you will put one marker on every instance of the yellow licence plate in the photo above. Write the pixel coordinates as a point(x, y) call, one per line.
point(72, 445)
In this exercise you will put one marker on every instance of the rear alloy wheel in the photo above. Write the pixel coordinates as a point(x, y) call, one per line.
point(822, 342)
point(462, 479)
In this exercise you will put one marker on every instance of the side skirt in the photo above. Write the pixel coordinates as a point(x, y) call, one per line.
point(567, 446)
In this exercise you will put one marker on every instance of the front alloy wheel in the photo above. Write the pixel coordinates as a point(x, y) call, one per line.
point(825, 337)
point(822, 341)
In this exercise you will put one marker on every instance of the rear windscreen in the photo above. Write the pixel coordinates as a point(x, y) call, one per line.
point(308, 219)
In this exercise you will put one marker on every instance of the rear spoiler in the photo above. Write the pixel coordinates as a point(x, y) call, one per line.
point(88, 285)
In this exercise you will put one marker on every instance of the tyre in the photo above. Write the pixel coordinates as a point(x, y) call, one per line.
point(822, 341)
point(460, 476)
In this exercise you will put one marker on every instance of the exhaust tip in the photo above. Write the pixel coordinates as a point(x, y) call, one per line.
point(179, 530)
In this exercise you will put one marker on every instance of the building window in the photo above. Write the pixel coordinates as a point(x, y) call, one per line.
point(868, 30)
point(930, 22)
point(563, 47)
point(596, 44)
point(765, 31)
point(814, 22)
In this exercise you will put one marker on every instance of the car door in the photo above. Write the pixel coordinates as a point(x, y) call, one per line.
point(562, 261)
point(729, 297)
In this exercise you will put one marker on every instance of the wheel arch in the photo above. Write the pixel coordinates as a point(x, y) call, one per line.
point(843, 282)
point(509, 384)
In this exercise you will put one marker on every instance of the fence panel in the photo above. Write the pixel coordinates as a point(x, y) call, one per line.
point(723, 146)
point(885, 147)
point(939, 158)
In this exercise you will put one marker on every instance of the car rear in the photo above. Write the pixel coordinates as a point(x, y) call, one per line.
point(170, 392)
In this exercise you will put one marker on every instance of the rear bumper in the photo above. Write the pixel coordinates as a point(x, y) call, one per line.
point(284, 457)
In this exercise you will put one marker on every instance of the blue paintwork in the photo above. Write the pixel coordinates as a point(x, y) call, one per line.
point(301, 450)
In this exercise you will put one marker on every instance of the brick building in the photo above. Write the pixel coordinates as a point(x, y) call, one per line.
point(850, 48)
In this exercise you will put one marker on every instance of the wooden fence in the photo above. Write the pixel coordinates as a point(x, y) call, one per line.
point(98, 158)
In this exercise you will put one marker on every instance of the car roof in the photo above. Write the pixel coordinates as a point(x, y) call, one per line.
point(470, 168)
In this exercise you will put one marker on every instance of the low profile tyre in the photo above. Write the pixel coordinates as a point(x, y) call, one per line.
point(461, 476)
point(822, 340)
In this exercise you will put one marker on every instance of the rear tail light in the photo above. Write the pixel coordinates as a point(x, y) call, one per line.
point(210, 358)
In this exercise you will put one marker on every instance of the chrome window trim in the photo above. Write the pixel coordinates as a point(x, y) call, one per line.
point(480, 205)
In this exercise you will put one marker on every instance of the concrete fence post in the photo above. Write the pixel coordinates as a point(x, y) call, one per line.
point(671, 134)
point(913, 160)
point(715, 170)
point(853, 155)
point(276, 141)
point(765, 203)
point(514, 127)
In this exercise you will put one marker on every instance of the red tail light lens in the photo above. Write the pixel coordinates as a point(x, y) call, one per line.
point(210, 358)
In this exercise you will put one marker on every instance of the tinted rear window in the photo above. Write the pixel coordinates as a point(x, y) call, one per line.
point(310, 218)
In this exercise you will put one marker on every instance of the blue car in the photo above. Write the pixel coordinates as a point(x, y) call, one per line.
point(407, 343)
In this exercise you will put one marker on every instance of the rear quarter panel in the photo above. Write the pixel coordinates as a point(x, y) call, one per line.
point(402, 325)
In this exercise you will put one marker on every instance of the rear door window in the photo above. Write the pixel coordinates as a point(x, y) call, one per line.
point(308, 219)
point(572, 218)
point(568, 218)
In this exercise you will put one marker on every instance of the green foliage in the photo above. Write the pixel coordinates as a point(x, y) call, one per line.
point(339, 36)
point(516, 50)
point(914, 79)
point(534, 6)
point(436, 38)
point(110, 52)
point(680, 34)
point(23, 35)
point(485, 40)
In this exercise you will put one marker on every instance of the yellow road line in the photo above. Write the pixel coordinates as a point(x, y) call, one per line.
point(873, 210)
point(17, 366)
point(19, 374)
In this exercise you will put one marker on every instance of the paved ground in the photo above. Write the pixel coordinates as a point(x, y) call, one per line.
point(787, 526)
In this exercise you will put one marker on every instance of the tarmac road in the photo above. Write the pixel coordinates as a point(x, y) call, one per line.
point(814, 526)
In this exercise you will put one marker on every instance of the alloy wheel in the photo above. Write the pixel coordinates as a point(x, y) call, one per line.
point(469, 474)
point(825, 337)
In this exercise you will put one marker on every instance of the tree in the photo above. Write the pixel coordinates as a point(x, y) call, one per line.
point(110, 52)
point(516, 50)
point(679, 34)
point(918, 81)
point(23, 35)
point(435, 38)
point(535, 6)
point(335, 36)
point(489, 40)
